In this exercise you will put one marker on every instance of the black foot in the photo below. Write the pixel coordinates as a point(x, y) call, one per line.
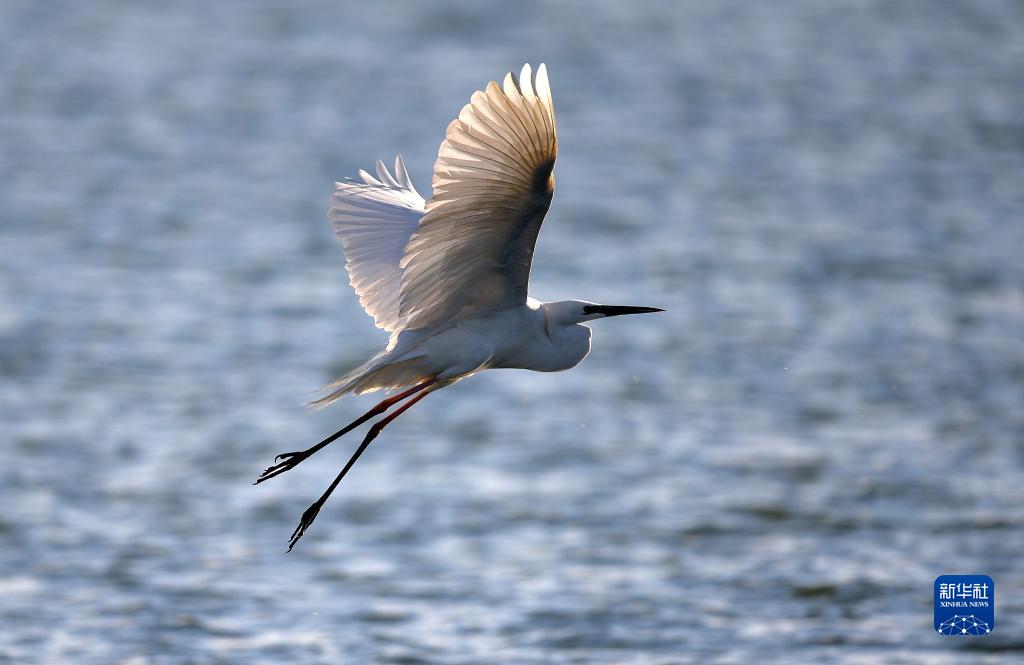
point(304, 523)
point(290, 461)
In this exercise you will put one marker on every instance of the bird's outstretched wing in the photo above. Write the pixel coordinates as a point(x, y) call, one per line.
point(493, 181)
point(374, 220)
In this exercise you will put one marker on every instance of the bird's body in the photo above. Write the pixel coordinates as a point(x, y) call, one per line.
point(447, 277)
point(527, 336)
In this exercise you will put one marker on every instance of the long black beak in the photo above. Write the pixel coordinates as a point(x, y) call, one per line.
point(618, 310)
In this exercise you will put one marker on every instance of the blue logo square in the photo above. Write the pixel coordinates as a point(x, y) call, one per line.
point(965, 605)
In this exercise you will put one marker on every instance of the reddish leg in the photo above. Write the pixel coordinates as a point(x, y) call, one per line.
point(311, 512)
point(292, 460)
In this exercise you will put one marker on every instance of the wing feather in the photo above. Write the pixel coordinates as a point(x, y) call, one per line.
point(493, 182)
point(374, 220)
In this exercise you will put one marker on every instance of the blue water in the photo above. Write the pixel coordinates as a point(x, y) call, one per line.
point(826, 197)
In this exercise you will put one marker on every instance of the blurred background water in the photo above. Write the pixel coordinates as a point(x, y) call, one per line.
point(825, 196)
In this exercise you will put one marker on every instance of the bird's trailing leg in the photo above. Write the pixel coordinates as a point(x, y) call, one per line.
point(287, 461)
point(311, 512)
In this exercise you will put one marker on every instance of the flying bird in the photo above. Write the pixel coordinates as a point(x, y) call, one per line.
point(447, 277)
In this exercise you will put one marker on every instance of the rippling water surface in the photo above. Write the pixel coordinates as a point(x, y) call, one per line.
point(826, 197)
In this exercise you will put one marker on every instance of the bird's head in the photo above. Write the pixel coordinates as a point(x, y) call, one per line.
point(567, 312)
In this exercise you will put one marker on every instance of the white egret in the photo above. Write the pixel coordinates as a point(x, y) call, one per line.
point(447, 277)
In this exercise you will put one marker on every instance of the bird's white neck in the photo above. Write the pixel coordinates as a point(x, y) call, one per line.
point(570, 340)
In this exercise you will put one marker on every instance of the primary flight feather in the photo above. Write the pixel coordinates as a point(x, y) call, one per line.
point(448, 277)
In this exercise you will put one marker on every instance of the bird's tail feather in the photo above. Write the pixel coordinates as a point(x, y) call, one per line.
point(375, 374)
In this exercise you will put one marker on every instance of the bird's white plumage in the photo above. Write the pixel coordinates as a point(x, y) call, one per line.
point(467, 250)
point(472, 251)
point(374, 220)
point(448, 277)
